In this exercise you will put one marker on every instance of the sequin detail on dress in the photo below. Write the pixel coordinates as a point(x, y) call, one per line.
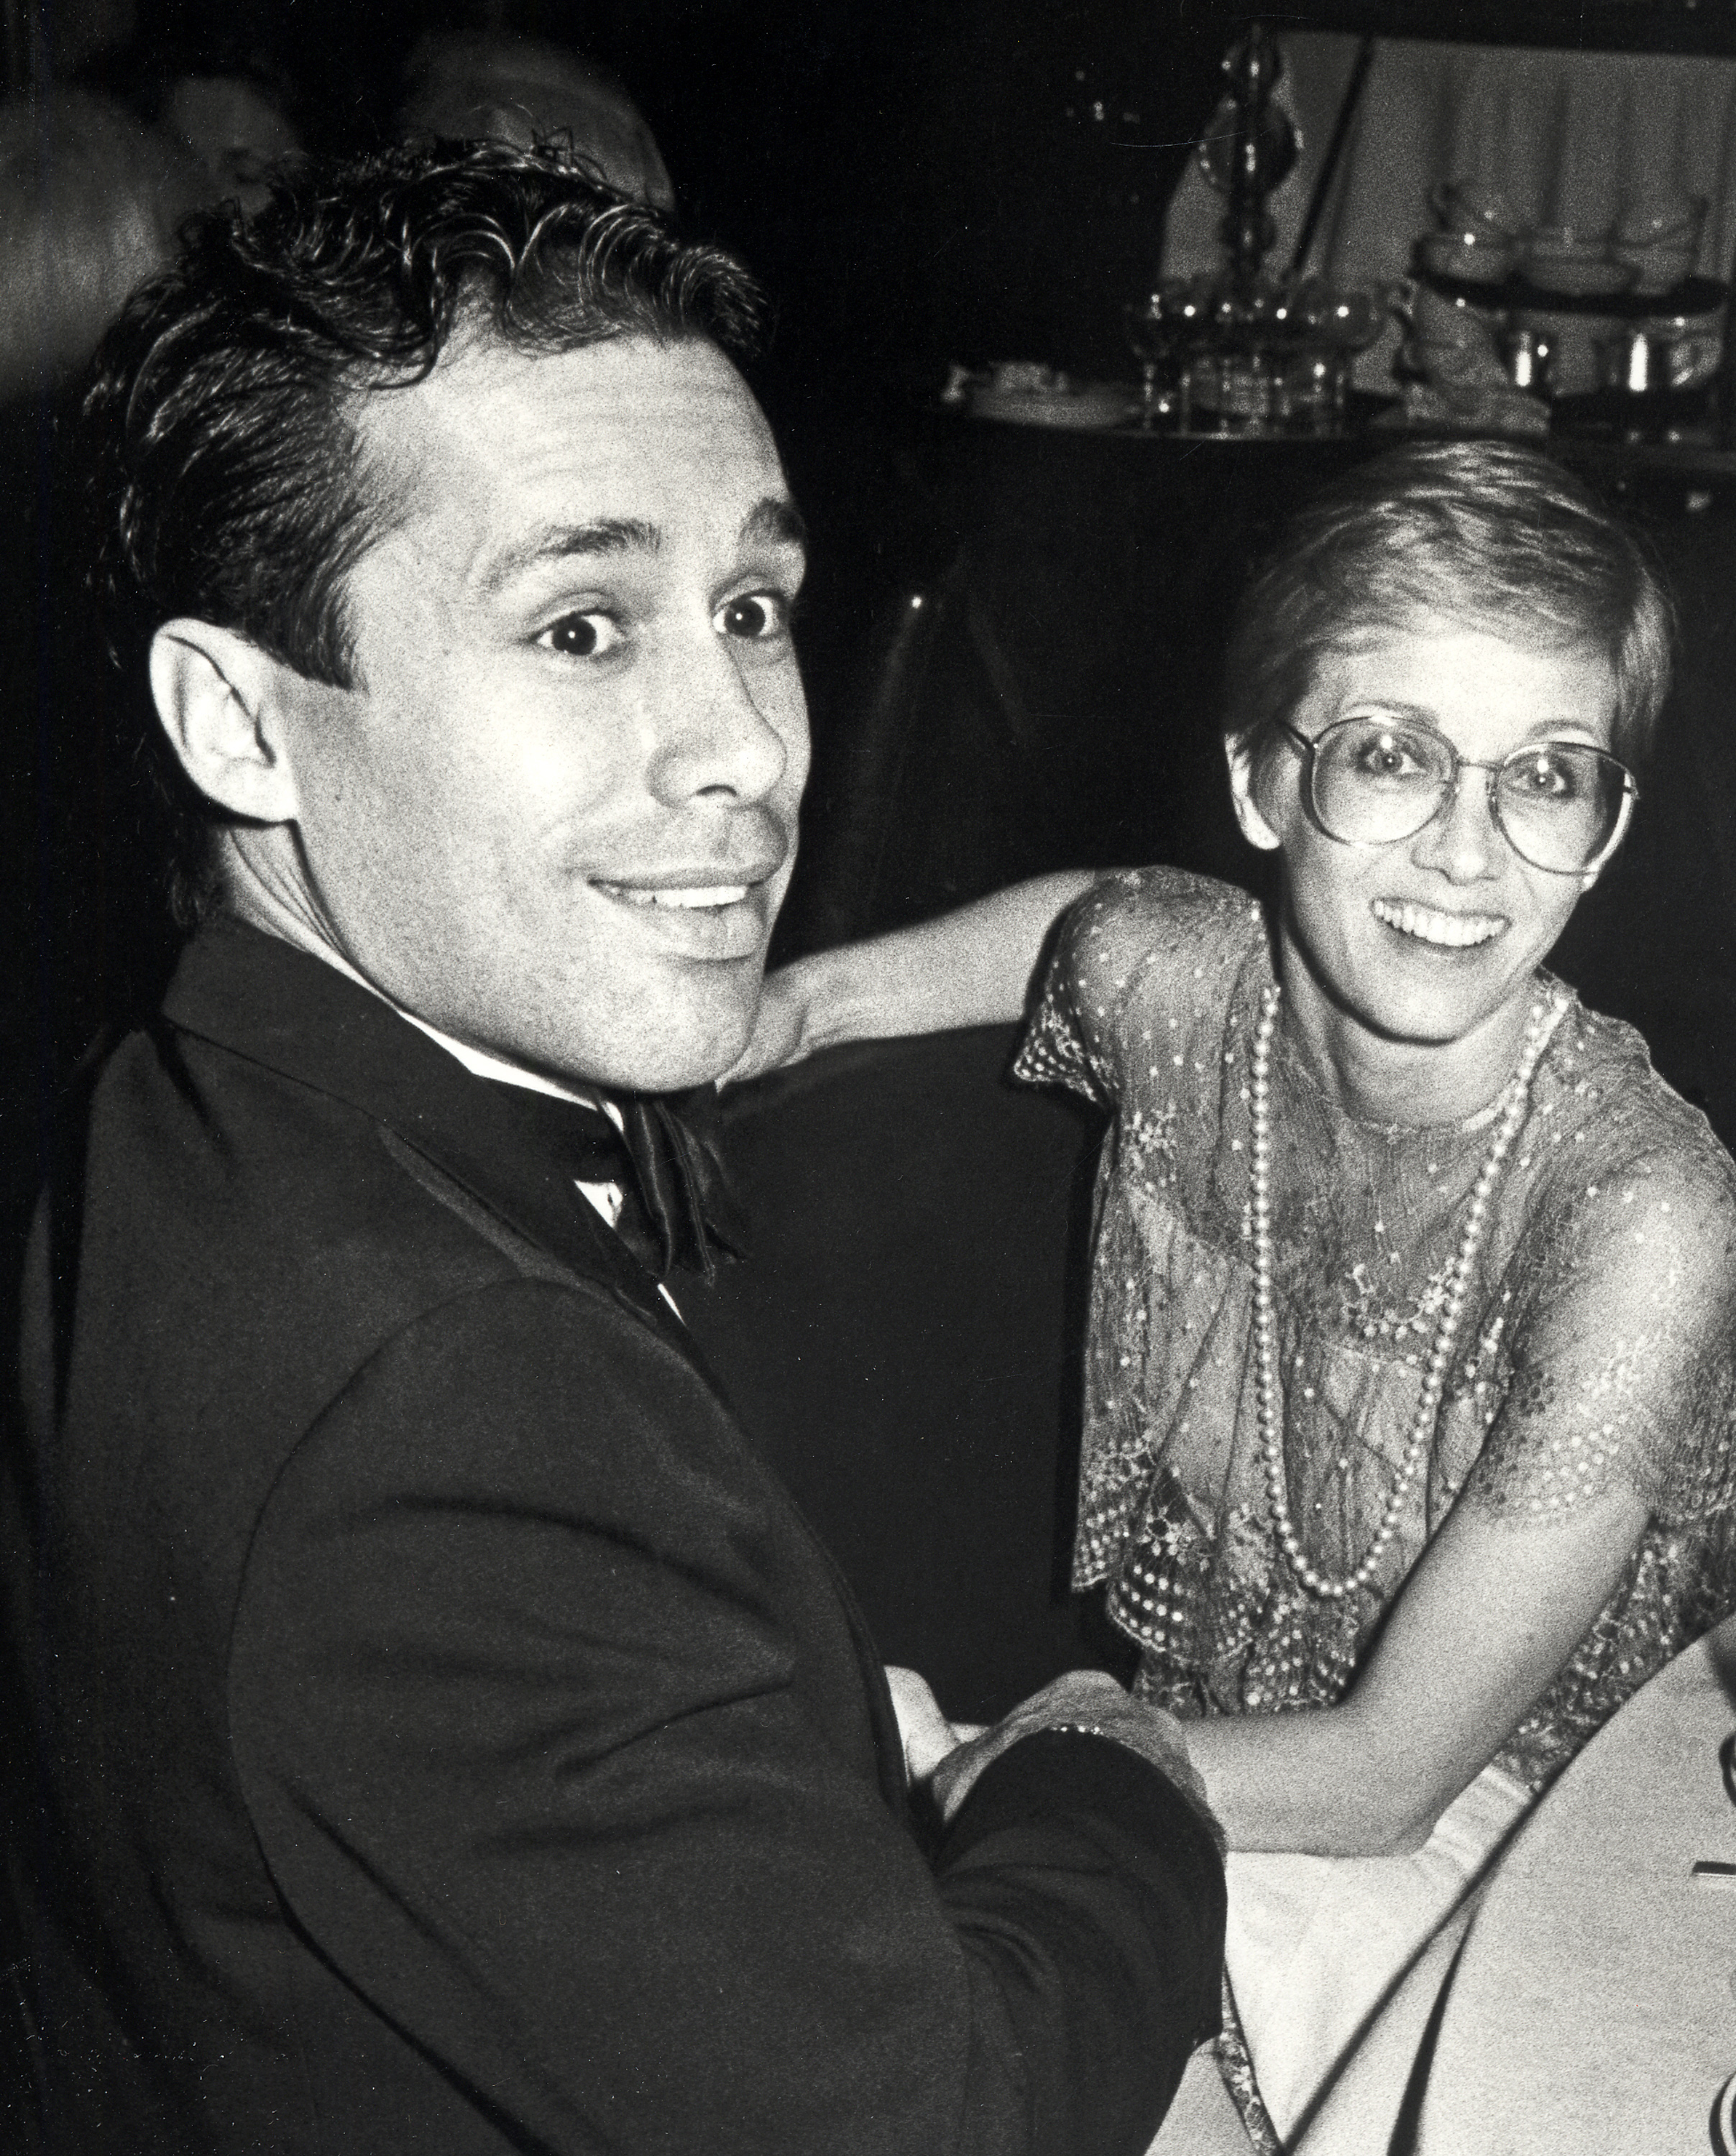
point(1597, 1343)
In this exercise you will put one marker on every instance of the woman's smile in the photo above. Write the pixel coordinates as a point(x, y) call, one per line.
point(1425, 946)
point(1447, 931)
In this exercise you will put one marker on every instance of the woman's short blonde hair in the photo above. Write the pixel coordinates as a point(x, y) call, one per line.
point(1488, 533)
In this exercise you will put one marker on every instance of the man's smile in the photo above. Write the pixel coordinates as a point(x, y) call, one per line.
point(1427, 924)
point(694, 898)
point(691, 912)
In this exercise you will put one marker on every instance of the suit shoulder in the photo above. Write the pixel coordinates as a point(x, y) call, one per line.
point(266, 1173)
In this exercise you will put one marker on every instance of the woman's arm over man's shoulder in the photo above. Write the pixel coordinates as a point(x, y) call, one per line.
point(972, 966)
point(979, 965)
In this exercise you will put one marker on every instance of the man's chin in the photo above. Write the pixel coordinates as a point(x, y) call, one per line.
point(669, 1050)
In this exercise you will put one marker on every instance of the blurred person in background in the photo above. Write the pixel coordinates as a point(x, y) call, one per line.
point(471, 85)
point(90, 199)
point(221, 96)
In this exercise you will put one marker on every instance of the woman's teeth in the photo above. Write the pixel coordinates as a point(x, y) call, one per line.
point(1458, 930)
point(701, 896)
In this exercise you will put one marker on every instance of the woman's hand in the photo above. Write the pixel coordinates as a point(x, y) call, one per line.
point(1082, 1699)
point(782, 1028)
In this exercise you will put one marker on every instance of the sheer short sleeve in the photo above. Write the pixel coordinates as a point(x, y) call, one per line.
point(1623, 1346)
point(1144, 938)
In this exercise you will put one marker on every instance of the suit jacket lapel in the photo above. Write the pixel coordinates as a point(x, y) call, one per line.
point(262, 998)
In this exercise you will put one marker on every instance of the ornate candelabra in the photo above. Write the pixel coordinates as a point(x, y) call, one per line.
point(1238, 350)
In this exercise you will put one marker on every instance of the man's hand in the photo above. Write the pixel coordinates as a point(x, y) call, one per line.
point(928, 1736)
point(1087, 1698)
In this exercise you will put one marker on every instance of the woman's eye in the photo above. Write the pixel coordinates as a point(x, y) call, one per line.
point(1387, 755)
point(582, 635)
point(756, 617)
point(1550, 778)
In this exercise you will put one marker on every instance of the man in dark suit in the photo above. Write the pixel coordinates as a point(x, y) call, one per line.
point(447, 1735)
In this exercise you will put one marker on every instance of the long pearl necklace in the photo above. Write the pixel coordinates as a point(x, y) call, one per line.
point(1541, 1024)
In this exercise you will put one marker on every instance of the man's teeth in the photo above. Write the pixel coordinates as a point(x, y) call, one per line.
point(1458, 930)
point(701, 896)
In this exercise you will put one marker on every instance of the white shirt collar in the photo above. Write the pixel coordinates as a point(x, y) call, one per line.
point(603, 1198)
point(481, 1065)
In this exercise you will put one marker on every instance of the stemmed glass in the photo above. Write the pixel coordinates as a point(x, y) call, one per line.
point(1159, 329)
point(1346, 322)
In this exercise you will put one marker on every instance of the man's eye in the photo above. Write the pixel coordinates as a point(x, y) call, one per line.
point(582, 635)
point(757, 617)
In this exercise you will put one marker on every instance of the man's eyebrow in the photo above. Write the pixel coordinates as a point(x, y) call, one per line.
point(558, 542)
point(775, 517)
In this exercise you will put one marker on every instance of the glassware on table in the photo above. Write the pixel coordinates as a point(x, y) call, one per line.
point(1343, 323)
point(1251, 354)
point(1161, 328)
point(1528, 350)
point(1474, 256)
point(1659, 239)
point(1238, 371)
point(1575, 262)
point(1468, 206)
point(1660, 353)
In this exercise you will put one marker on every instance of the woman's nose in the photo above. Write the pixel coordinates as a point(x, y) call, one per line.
point(1463, 842)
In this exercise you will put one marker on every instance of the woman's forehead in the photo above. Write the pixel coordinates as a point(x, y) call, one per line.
point(1460, 675)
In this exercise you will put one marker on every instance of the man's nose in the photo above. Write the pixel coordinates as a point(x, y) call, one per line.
point(722, 733)
point(1463, 843)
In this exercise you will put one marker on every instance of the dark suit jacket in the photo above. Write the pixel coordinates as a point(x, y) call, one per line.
point(449, 1736)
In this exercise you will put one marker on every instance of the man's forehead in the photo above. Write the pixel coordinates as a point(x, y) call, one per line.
point(628, 431)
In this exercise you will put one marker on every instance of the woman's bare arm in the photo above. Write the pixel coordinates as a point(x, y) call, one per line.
point(1491, 1612)
point(1624, 1402)
point(971, 967)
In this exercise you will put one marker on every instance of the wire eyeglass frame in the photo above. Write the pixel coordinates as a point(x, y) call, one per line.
point(1310, 745)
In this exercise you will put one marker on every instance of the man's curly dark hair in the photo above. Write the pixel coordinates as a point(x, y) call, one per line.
point(228, 484)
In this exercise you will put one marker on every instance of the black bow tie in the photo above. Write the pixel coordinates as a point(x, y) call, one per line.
point(677, 1209)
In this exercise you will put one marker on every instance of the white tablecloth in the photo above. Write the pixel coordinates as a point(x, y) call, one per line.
point(1592, 2004)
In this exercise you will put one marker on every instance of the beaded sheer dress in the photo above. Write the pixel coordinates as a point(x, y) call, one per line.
point(1597, 1337)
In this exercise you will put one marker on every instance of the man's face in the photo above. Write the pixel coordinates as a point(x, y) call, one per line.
point(556, 814)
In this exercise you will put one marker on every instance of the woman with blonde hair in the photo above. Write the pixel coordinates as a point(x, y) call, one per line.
point(1412, 1354)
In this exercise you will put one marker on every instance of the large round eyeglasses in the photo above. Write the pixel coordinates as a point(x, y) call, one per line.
point(1562, 806)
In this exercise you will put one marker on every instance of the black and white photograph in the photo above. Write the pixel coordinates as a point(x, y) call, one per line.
point(867, 1051)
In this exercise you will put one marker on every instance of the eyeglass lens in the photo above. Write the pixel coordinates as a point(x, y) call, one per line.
point(1375, 781)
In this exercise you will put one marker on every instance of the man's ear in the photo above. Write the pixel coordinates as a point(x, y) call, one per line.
point(1243, 777)
point(216, 694)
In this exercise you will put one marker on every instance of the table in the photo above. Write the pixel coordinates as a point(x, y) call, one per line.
point(1592, 2004)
